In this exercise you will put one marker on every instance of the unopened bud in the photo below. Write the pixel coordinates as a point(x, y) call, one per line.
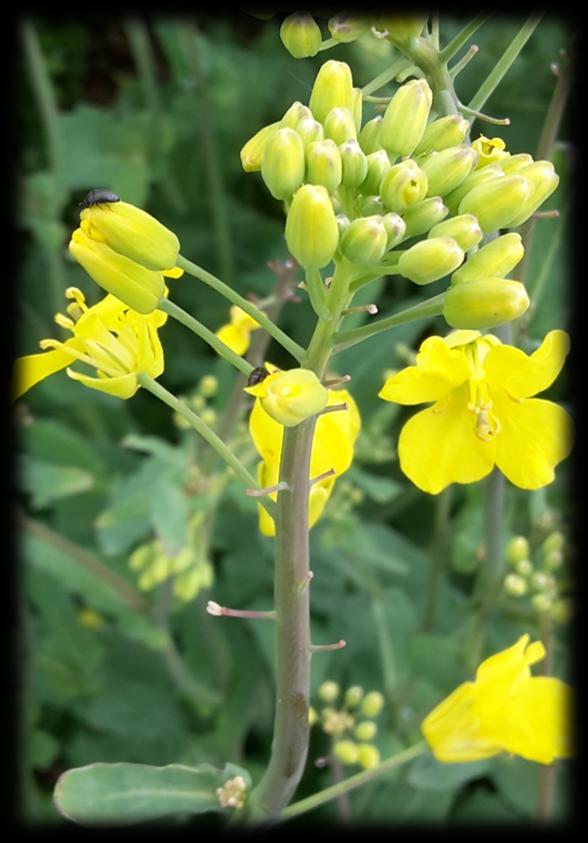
point(371, 205)
point(443, 133)
point(301, 35)
point(312, 233)
point(369, 137)
point(346, 751)
point(282, 167)
point(490, 150)
point(430, 260)
point(365, 240)
point(354, 163)
point(346, 27)
point(517, 549)
point(401, 28)
point(342, 222)
point(340, 125)
point(329, 691)
point(494, 260)
point(294, 115)
point(541, 602)
point(561, 611)
point(513, 163)
point(312, 716)
point(405, 118)
point(497, 203)
point(464, 229)
point(554, 541)
point(541, 581)
point(333, 88)
point(490, 173)
point(323, 165)
point(378, 164)
point(543, 180)
point(446, 170)
point(252, 153)
point(395, 228)
point(484, 303)
point(422, 217)
point(310, 130)
point(368, 756)
point(232, 793)
point(524, 567)
point(357, 108)
point(514, 585)
point(353, 696)
point(366, 730)
point(372, 704)
point(208, 386)
point(404, 185)
point(290, 397)
point(553, 560)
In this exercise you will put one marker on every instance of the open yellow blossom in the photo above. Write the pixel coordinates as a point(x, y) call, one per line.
point(237, 332)
point(292, 396)
point(110, 337)
point(483, 413)
point(490, 150)
point(506, 709)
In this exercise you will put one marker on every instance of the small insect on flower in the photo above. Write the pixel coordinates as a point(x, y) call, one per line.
point(99, 196)
point(258, 375)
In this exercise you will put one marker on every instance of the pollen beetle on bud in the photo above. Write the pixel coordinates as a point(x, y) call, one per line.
point(99, 196)
point(258, 375)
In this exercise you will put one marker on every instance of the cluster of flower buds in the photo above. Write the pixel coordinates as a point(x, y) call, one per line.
point(207, 388)
point(541, 582)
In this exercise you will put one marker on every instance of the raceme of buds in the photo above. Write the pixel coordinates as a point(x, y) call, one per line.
point(310, 130)
point(443, 133)
point(252, 153)
point(346, 27)
point(404, 184)
point(484, 303)
point(544, 180)
point(497, 203)
point(282, 166)
point(447, 169)
point(340, 125)
point(312, 233)
point(333, 88)
point(290, 397)
point(301, 35)
point(365, 240)
point(430, 260)
point(405, 118)
point(354, 163)
point(494, 260)
point(464, 229)
point(378, 164)
point(369, 136)
point(424, 216)
point(323, 165)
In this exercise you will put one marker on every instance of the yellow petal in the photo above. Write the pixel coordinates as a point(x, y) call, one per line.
point(243, 320)
point(32, 368)
point(174, 272)
point(522, 375)
point(535, 435)
point(439, 445)
point(266, 433)
point(537, 721)
point(124, 386)
point(453, 730)
point(438, 370)
point(235, 337)
point(267, 475)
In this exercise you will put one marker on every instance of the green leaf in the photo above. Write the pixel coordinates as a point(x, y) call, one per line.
point(426, 773)
point(379, 489)
point(47, 482)
point(129, 793)
point(169, 516)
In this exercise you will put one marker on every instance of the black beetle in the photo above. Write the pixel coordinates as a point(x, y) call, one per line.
point(258, 375)
point(99, 196)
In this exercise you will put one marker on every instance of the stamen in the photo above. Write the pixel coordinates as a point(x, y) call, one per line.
point(64, 322)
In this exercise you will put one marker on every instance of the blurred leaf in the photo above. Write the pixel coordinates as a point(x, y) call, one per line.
point(379, 489)
point(426, 773)
point(468, 532)
point(51, 440)
point(47, 482)
point(169, 516)
point(42, 749)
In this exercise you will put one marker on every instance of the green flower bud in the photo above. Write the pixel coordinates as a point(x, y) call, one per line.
point(401, 28)
point(372, 205)
point(395, 228)
point(366, 730)
point(342, 222)
point(357, 108)
point(365, 240)
point(378, 164)
point(333, 87)
point(540, 581)
point(282, 167)
point(323, 165)
point(340, 125)
point(553, 560)
point(513, 163)
point(490, 173)
point(541, 602)
point(404, 184)
point(312, 716)
point(554, 541)
point(301, 35)
point(405, 118)
point(290, 397)
point(354, 163)
point(294, 115)
point(422, 217)
point(368, 756)
point(372, 704)
point(524, 567)
point(544, 180)
point(310, 130)
point(561, 611)
point(208, 386)
point(464, 229)
point(353, 696)
point(447, 169)
point(515, 586)
point(430, 260)
point(484, 303)
point(312, 233)
point(252, 153)
point(443, 133)
point(494, 260)
point(517, 549)
point(496, 203)
point(329, 691)
point(369, 137)
point(346, 751)
point(346, 27)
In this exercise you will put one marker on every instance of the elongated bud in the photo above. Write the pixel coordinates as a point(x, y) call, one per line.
point(490, 173)
point(369, 137)
point(378, 164)
point(310, 130)
point(346, 752)
point(401, 28)
point(491, 150)
point(447, 169)
point(405, 118)
point(323, 165)
point(365, 240)
point(252, 153)
point(294, 115)
point(395, 228)
point(346, 27)
point(496, 203)
point(404, 184)
point(517, 549)
point(430, 260)
point(340, 125)
point(514, 163)
point(422, 217)
point(312, 233)
point(333, 88)
point(354, 164)
point(443, 133)
point(554, 542)
point(301, 35)
point(290, 397)
point(544, 180)
point(282, 167)
point(484, 303)
point(494, 260)
point(464, 229)
point(371, 205)
point(372, 704)
point(357, 109)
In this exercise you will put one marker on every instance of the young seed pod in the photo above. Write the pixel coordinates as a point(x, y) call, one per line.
point(378, 164)
point(484, 303)
point(340, 125)
point(365, 240)
point(252, 153)
point(405, 118)
point(346, 27)
point(294, 115)
point(282, 166)
point(443, 133)
point(490, 173)
point(354, 164)
point(323, 165)
point(404, 185)
point(369, 136)
point(430, 260)
point(544, 180)
point(301, 35)
point(333, 87)
point(312, 233)
point(447, 169)
point(464, 229)
point(310, 130)
point(395, 228)
point(497, 203)
point(494, 260)
point(422, 217)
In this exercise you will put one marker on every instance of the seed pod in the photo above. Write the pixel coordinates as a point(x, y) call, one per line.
point(310, 130)
point(340, 125)
point(447, 169)
point(404, 185)
point(365, 240)
point(544, 180)
point(346, 27)
point(443, 133)
point(252, 153)
point(333, 87)
point(301, 35)
point(369, 136)
point(312, 233)
point(294, 115)
point(354, 163)
point(282, 166)
point(422, 217)
point(378, 164)
point(496, 203)
point(405, 118)
point(484, 303)
point(430, 260)
point(323, 165)
point(494, 260)
point(464, 229)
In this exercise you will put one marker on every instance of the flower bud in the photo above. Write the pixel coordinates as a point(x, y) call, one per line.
point(371, 205)
point(132, 232)
point(540, 581)
point(554, 541)
point(494, 260)
point(301, 35)
point(365, 240)
point(294, 115)
point(312, 716)
point(464, 229)
point(497, 203)
point(486, 174)
point(543, 180)
point(346, 751)
point(447, 169)
point(139, 288)
point(541, 602)
point(404, 184)
point(252, 153)
point(517, 549)
point(353, 696)
point(561, 611)
point(310, 130)
point(333, 87)
point(372, 704)
point(354, 163)
point(343, 222)
point(329, 691)
point(443, 133)
point(395, 228)
point(357, 108)
point(401, 28)
point(282, 166)
point(323, 165)
point(378, 164)
point(524, 567)
point(422, 217)
point(430, 260)
point(290, 397)
point(340, 125)
point(208, 386)
point(513, 163)
point(346, 27)
point(366, 730)
point(405, 118)
point(484, 303)
point(515, 586)
point(368, 756)
point(553, 560)
point(312, 233)
point(490, 150)
point(369, 136)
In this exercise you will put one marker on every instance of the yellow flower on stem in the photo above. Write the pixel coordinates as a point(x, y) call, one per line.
point(491, 150)
point(483, 412)
point(506, 709)
point(290, 397)
point(110, 337)
point(237, 333)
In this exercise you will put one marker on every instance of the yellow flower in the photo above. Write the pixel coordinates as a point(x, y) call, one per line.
point(504, 710)
point(237, 333)
point(290, 397)
point(491, 150)
point(483, 413)
point(110, 337)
